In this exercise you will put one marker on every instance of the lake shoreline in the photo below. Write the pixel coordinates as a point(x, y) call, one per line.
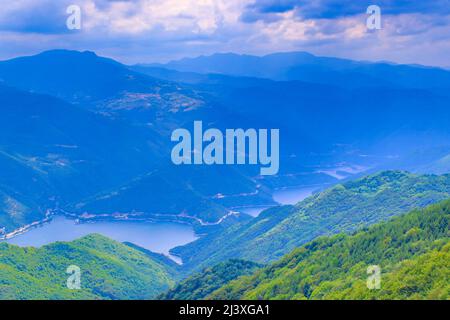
point(19, 231)
point(96, 222)
point(156, 237)
point(159, 218)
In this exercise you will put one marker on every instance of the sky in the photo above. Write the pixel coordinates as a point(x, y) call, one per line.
point(144, 31)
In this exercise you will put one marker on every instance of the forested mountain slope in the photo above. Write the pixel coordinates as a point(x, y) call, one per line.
point(109, 270)
point(200, 285)
point(344, 208)
point(93, 135)
point(307, 67)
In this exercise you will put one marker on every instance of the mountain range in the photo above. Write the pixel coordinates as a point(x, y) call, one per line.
point(411, 250)
point(303, 66)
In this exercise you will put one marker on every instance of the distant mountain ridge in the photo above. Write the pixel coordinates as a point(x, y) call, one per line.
point(394, 108)
point(73, 116)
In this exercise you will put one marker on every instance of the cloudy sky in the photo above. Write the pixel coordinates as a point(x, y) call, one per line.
point(413, 31)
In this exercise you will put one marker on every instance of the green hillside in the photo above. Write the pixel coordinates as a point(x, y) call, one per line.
point(412, 251)
point(423, 277)
point(344, 208)
point(328, 235)
point(201, 284)
point(109, 270)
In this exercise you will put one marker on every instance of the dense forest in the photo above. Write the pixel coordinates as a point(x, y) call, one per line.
point(411, 249)
point(200, 285)
point(346, 207)
point(109, 270)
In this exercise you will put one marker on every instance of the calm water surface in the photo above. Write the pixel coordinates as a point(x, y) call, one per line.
point(283, 196)
point(158, 237)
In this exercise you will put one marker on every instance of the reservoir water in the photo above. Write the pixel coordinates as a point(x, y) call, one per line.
point(291, 195)
point(158, 237)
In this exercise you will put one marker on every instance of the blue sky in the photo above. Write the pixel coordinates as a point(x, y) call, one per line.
point(160, 30)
